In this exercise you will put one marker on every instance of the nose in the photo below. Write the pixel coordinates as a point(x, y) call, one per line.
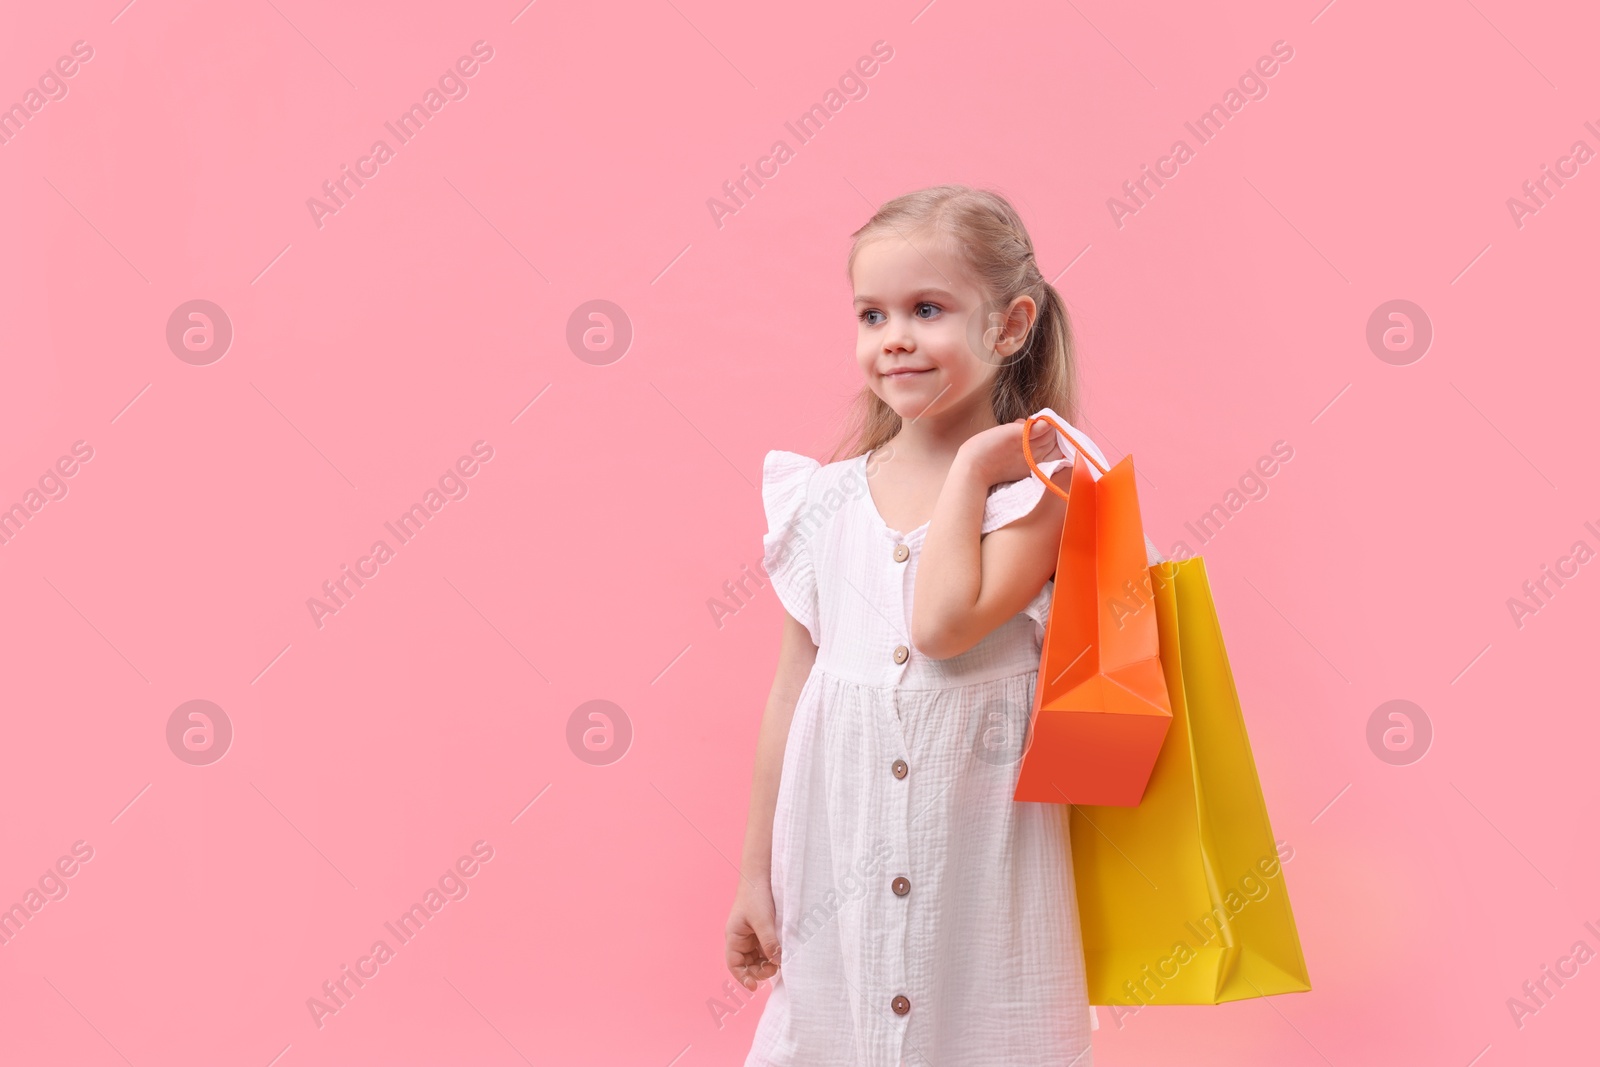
point(898, 337)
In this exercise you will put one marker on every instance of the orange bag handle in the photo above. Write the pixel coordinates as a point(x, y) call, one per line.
point(1027, 450)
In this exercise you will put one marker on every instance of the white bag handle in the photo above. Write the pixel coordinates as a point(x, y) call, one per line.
point(1072, 440)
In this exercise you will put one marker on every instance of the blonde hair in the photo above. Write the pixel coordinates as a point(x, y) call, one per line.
point(987, 233)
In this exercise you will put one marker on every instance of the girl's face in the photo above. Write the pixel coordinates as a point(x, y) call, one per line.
point(921, 336)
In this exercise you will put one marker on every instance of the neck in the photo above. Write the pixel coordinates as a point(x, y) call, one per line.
point(938, 436)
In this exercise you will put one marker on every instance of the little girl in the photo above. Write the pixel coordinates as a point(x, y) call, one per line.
point(906, 908)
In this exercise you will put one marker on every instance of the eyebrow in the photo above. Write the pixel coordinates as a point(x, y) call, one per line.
point(914, 296)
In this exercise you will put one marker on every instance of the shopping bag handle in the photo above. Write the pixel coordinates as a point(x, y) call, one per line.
point(1027, 450)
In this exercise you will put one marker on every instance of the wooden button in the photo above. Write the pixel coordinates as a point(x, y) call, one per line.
point(901, 886)
point(898, 768)
point(901, 653)
point(901, 553)
point(900, 1005)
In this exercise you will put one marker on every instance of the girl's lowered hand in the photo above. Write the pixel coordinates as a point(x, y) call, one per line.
point(997, 452)
point(752, 934)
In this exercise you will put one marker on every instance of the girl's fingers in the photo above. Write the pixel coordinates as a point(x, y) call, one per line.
point(751, 967)
point(747, 960)
point(755, 970)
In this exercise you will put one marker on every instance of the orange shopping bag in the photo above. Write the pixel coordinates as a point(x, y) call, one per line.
point(1100, 707)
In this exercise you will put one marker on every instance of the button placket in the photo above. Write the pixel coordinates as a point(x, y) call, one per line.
point(896, 933)
point(902, 652)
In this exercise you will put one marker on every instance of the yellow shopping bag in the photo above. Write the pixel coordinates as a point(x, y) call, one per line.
point(1182, 898)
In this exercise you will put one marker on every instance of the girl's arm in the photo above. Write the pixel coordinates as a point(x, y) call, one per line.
point(754, 951)
point(968, 583)
point(795, 658)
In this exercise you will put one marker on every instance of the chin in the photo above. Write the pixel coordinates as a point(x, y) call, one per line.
point(910, 410)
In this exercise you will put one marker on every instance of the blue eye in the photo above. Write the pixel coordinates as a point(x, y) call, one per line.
point(925, 304)
point(864, 316)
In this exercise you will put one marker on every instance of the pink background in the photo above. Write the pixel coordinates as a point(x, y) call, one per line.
point(431, 311)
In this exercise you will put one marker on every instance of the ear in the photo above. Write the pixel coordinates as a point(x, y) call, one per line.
point(1019, 319)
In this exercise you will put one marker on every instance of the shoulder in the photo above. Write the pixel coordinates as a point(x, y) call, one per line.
point(790, 473)
point(806, 497)
point(783, 463)
point(786, 481)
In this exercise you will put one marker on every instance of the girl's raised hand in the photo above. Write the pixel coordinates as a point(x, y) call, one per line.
point(752, 934)
point(997, 451)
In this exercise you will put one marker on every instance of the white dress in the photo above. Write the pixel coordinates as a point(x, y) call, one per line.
point(927, 919)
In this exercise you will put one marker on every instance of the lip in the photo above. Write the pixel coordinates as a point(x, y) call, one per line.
point(904, 373)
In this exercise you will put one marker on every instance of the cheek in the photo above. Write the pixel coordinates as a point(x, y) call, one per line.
point(946, 343)
point(866, 351)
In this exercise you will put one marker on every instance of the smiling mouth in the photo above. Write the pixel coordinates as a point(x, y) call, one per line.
point(899, 374)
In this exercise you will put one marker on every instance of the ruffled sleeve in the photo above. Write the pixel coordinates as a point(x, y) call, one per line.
point(785, 479)
point(1012, 500)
